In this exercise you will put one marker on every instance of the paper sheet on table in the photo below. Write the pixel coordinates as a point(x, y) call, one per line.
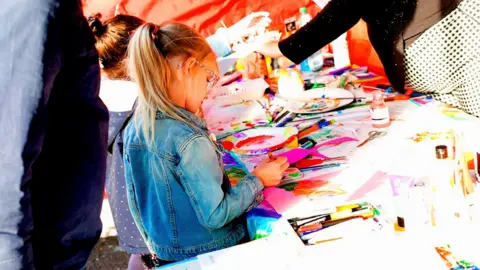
point(376, 253)
point(259, 254)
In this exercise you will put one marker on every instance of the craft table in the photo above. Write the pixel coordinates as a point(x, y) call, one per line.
point(365, 179)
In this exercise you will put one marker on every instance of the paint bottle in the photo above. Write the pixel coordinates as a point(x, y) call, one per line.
point(379, 111)
point(341, 57)
point(290, 26)
point(441, 177)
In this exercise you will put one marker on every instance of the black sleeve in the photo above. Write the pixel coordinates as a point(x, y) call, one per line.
point(336, 18)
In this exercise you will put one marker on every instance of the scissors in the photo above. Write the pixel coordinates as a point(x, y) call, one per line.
point(373, 135)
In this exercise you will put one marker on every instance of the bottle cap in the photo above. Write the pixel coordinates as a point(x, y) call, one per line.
point(303, 10)
point(441, 152)
point(401, 222)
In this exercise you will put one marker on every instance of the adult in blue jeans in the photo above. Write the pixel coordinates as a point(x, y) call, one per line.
point(53, 135)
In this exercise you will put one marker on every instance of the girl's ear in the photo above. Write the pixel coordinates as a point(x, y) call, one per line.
point(189, 66)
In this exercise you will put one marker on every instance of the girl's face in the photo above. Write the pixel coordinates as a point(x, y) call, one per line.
point(202, 78)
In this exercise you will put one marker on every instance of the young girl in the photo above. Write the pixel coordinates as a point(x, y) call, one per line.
point(119, 95)
point(178, 192)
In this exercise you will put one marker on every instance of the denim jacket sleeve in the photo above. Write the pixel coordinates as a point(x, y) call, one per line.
point(201, 175)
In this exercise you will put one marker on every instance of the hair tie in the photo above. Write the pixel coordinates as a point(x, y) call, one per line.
point(154, 33)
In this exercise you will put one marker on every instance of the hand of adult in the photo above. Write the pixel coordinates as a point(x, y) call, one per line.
point(249, 25)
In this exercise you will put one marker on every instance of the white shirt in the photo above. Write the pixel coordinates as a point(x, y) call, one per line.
point(118, 95)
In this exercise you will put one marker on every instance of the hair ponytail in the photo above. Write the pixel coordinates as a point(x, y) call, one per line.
point(148, 66)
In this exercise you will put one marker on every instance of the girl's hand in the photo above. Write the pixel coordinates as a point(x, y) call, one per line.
point(271, 172)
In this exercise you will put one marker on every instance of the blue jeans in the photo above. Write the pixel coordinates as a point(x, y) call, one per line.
point(50, 209)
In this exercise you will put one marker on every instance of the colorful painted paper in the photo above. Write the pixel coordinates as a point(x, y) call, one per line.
point(226, 120)
point(320, 100)
point(298, 154)
point(260, 140)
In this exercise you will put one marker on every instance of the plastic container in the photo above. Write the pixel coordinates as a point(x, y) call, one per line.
point(340, 52)
point(379, 111)
point(304, 19)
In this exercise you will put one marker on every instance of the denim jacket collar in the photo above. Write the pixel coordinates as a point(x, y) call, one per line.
point(199, 122)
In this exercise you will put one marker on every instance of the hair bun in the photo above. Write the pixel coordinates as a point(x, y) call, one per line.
point(96, 25)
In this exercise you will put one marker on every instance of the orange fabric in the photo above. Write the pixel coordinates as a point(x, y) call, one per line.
point(206, 17)
point(361, 50)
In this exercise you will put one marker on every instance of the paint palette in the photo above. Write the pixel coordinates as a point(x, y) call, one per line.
point(259, 141)
point(320, 100)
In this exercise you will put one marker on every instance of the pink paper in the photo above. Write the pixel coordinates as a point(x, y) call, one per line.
point(297, 154)
point(375, 182)
point(282, 200)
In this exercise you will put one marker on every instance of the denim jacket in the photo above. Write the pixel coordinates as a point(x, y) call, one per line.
point(178, 192)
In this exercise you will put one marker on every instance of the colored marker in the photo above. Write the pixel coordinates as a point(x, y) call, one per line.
point(308, 228)
point(283, 121)
point(271, 157)
point(339, 231)
point(321, 167)
point(321, 124)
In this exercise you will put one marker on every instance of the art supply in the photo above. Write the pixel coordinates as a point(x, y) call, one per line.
point(307, 143)
point(322, 167)
point(315, 127)
point(283, 120)
point(400, 190)
point(337, 232)
point(442, 177)
point(271, 157)
point(341, 57)
point(379, 111)
point(290, 26)
point(308, 228)
point(373, 135)
point(354, 110)
point(303, 20)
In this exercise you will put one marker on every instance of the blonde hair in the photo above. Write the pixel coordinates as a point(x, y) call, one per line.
point(148, 54)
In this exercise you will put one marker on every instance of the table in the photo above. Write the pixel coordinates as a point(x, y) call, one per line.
point(365, 179)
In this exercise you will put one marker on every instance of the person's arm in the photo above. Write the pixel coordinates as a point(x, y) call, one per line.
point(202, 177)
point(336, 18)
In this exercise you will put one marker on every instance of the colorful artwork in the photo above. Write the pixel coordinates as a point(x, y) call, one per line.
point(456, 114)
point(312, 188)
point(291, 175)
point(323, 134)
point(226, 120)
point(431, 136)
point(298, 154)
point(452, 262)
point(319, 100)
point(318, 105)
point(259, 141)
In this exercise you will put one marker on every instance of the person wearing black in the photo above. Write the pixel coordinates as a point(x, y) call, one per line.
point(431, 46)
point(53, 136)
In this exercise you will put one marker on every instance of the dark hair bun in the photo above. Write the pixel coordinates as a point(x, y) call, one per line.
point(96, 25)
